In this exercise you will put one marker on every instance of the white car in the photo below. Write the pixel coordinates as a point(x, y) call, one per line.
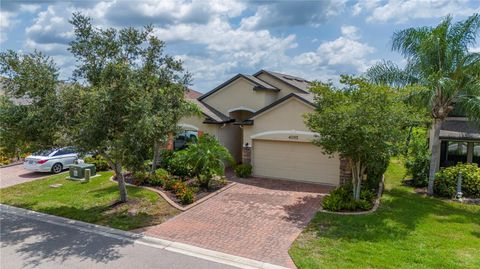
point(52, 160)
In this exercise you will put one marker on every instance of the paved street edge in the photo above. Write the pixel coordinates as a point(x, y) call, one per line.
point(135, 238)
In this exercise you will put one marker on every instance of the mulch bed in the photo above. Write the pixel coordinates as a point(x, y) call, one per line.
point(201, 192)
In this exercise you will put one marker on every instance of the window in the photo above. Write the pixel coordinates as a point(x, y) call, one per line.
point(476, 153)
point(456, 152)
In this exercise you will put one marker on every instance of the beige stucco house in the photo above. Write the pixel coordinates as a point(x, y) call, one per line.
point(259, 118)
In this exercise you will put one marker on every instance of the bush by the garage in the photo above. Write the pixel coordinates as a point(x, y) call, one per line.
point(340, 199)
point(446, 181)
point(243, 170)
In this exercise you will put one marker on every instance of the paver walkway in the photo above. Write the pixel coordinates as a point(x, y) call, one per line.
point(257, 219)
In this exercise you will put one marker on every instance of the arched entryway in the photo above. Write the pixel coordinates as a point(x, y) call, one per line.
point(239, 115)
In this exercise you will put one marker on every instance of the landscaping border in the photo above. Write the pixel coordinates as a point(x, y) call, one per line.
point(173, 203)
point(376, 204)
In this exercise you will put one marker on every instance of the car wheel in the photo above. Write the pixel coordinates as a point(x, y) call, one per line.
point(57, 168)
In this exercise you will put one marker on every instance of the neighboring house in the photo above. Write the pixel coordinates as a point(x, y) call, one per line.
point(259, 118)
point(460, 141)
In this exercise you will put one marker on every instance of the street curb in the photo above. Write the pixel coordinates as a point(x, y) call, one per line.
point(135, 238)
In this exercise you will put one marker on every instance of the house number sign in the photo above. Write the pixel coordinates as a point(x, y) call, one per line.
point(293, 137)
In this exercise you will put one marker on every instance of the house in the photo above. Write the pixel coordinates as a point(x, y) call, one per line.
point(259, 119)
point(460, 141)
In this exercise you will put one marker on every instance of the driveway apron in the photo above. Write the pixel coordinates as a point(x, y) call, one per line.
point(257, 218)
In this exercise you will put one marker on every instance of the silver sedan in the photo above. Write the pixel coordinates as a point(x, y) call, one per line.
point(52, 160)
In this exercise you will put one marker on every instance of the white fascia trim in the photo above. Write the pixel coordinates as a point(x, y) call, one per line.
point(184, 125)
point(288, 132)
point(241, 108)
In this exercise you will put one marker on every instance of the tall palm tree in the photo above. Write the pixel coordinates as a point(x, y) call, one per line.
point(440, 61)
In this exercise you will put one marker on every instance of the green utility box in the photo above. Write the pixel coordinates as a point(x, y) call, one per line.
point(77, 171)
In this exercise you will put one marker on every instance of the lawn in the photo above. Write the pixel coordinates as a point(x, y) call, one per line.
point(90, 202)
point(407, 231)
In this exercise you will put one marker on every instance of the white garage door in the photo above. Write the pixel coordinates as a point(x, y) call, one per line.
point(294, 160)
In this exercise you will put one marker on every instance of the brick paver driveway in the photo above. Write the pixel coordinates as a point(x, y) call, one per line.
point(256, 218)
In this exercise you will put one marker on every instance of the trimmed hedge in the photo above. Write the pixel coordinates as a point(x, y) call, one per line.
point(446, 181)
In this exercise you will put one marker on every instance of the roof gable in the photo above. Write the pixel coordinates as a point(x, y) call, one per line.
point(259, 85)
point(276, 104)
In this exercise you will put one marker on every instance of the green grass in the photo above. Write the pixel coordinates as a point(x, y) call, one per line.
point(90, 202)
point(407, 231)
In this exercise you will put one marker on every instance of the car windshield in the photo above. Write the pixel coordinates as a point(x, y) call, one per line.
point(44, 153)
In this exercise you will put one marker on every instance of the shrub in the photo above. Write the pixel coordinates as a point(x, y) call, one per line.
point(99, 162)
point(178, 187)
point(243, 170)
point(174, 162)
point(155, 180)
point(160, 172)
point(446, 181)
point(375, 171)
point(418, 159)
point(169, 183)
point(140, 177)
point(204, 180)
point(340, 199)
point(207, 158)
point(186, 195)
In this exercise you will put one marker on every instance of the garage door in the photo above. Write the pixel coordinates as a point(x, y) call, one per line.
point(294, 160)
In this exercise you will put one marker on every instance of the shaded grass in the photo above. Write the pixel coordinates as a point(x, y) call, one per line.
point(407, 231)
point(90, 202)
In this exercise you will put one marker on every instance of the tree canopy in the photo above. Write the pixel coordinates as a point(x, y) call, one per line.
point(439, 60)
point(363, 122)
point(127, 81)
point(29, 111)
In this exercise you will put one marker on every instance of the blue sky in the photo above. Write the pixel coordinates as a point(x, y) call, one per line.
point(219, 39)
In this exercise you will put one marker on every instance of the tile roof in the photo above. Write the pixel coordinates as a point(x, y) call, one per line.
point(192, 94)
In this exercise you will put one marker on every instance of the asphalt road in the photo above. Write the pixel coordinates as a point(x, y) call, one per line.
point(16, 174)
point(31, 243)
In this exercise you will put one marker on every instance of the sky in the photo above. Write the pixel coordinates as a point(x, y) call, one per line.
point(316, 40)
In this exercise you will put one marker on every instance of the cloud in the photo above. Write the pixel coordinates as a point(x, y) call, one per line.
point(350, 31)
point(290, 13)
point(346, 53)
point(226, 48)
point(9, 13)
point(474, 49)
point(50, 28)
point(403, 11)
point(170, 12)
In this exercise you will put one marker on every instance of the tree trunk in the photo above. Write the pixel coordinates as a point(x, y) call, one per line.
point(121, 183)
point(357, 175)
point(117, 168)
point(156, 155)
point(435, 157)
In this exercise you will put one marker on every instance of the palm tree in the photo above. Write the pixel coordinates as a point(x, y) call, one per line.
point(439, 60)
